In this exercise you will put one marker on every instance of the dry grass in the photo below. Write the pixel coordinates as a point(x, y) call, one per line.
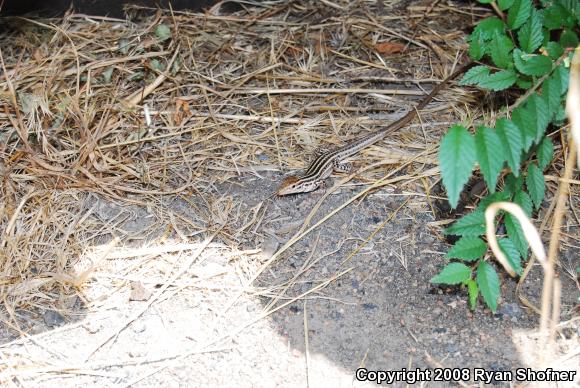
point(103, 106)
point(111, 107)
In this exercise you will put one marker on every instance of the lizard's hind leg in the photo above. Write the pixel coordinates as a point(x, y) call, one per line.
point(342, 167)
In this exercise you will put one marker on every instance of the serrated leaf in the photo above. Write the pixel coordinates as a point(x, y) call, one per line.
point(453, 273)
point(516, 234)
point(571, 6)
point(554, 50)
point(524, 201)
point(163, 32)
point(560, 116)
point(562, 74)
point(536, 185)
point(556, 17)
point(476, 46)
point(473, 293)
point(513, 256)
point(499, 81)
point(499, 48)
point(568, 39)
point(545, 152)
point(513, 183)
point(531, 64)
point(510, 135)
point(498, 196)
point(524, 81)
point(538, 109)
point(475, 75)
point(488, 283)
point(490, 155)
point(551, 95)
point(505, 4)
point(525, 122)
point(545, 36)
point(472, 224)
point(530, 35)
point(467, 248)
point(456, 159)
point(518, 13)
point(488, 26)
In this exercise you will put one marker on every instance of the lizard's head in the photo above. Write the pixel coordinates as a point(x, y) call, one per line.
point(293, 185)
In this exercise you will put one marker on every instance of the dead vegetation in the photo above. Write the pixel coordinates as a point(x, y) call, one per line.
point(177, 103)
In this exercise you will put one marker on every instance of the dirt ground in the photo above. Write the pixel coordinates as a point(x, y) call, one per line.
point(170, 299)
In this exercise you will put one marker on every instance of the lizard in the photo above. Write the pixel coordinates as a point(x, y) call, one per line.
point(325, 162)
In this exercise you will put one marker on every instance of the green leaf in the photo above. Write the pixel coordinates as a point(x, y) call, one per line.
point(538, 109)
point(524, 81)
point(505, 4)
point(510, 135)
point(488, 283)
point(545, 152)
point(476, 46)
point(467, 248)
point(545, 36)
point(531, 64)
point(488, 26)
point(513, 183)
point(163, 32)
point(516, 234)
point(456, 159)
point(554, 50)
point(490, 155)
point(472, 224)
point(560, 116)
point(485, 1)
point(530, 35)
point(571, 6)
point(499, 81)
point(518, 13)
point(556, 17)
point(473, 293)
point(499, 49)
point(524, 120)
point(569, 39)
point(475, 75)
point(562, 74)
point(513, 256)
point(536, 185)
point(453, 273)
point(551, 95)
point(523, 199)
point(498, 196)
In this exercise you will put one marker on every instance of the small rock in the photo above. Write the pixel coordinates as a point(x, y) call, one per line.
point(511, 310)
point(452, 348)
point(138, 327)
point(138, 292)
point(369, 306)
point(336, 315)
point(269, 246)
point(53, 318)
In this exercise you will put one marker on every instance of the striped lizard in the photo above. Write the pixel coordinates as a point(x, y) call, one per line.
point(325, 162)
